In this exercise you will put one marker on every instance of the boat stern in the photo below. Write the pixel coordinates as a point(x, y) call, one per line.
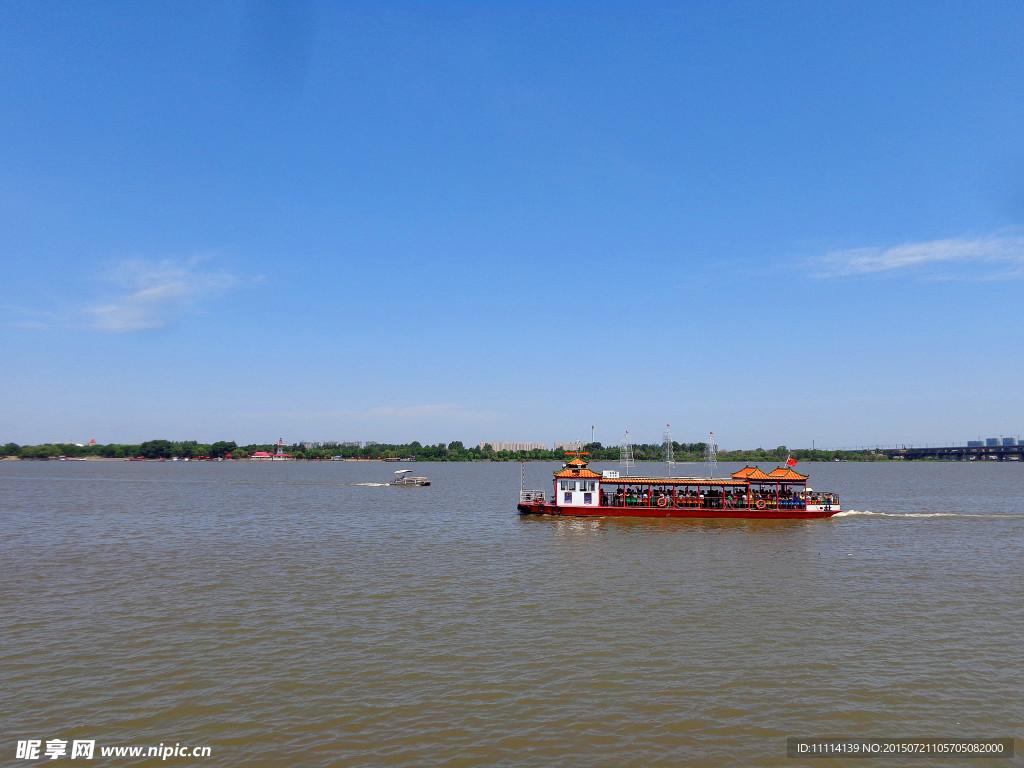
point(531, 503)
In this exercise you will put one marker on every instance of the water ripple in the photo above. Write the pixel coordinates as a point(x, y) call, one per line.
point(290, 615)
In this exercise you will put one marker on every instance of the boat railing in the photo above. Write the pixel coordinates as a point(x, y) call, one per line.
point(528, 496)
point(819, 499)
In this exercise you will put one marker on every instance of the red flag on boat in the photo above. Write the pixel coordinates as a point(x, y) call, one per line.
point(790, 462)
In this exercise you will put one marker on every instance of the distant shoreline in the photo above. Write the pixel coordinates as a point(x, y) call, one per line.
point(249, 460)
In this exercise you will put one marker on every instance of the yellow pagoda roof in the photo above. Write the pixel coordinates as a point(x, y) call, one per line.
point(785, 473)
point(571, 471)
point(750, 473)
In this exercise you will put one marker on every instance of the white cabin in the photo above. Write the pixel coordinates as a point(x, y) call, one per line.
point(577, 486)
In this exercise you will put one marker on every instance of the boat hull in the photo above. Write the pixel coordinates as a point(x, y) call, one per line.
point(544, 508)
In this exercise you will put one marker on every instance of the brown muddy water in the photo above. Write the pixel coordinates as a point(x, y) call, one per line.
point(282, 615)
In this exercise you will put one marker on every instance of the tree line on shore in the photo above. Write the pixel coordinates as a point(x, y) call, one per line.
point(454, 451)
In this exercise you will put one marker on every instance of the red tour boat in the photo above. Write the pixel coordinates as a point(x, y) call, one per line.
point(749, 493)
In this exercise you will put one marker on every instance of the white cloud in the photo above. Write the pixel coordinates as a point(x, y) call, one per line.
point(997, 257)
point(157, 294)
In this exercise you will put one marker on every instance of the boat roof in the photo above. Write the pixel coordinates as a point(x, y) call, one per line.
point(750, 473)
point(578, 472)
point(787, 473)
point(742, 477)
point(673, 481)
point(402, 471)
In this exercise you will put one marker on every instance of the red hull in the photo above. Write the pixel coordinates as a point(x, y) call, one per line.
point(541, 508)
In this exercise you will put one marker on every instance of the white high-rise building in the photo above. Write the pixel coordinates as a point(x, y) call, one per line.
point(501, 445)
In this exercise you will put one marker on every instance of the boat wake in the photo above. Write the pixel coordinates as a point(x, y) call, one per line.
point(370, 485)
point(858, 513)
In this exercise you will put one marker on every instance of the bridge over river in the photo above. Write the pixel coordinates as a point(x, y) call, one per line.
point(958, 453)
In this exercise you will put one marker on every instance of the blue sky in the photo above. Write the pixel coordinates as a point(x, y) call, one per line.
point(783, 222)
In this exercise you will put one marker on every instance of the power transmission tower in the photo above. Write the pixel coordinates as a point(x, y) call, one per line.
point(711, 455)
point(669, 456)
point(625, 455)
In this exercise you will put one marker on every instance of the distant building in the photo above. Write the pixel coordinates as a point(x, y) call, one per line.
point(1009, 441)
point(991, 441)
point(501, 445)
point(278, 455)
point(974, 444)
point(574, 446)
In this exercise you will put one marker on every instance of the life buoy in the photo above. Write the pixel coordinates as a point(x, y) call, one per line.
point(760, 504)
point(662, 502)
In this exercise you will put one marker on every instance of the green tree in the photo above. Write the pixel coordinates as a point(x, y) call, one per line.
point(221, 449)
point(156, 449)
point(39, 452)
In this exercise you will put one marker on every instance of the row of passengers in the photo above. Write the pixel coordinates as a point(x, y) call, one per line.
point(713, 496)
point(662, 497)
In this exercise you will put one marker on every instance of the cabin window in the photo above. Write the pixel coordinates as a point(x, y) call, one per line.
point(588, 498)
point(568, 499)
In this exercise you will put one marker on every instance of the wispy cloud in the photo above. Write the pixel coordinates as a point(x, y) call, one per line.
point(385, 424)
point(157, 294)
point(996, 257)
point(387, 415)
point(31, 318)
point(425, 412)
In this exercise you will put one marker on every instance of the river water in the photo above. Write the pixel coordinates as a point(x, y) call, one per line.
point(282, 615)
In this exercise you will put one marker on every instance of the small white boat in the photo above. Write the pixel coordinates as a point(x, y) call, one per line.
point(403, 477)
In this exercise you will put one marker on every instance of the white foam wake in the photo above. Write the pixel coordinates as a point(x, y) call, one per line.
point(859, 513)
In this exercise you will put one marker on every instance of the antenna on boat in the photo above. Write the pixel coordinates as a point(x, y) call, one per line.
point(711, 455)
point(625, 455)
point(669, 457)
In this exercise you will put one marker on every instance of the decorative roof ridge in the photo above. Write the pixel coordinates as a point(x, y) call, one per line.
point(576, 472)
point(786, 473)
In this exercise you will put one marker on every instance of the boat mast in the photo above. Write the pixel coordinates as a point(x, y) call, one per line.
point(625, 455)
point(669, 457)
